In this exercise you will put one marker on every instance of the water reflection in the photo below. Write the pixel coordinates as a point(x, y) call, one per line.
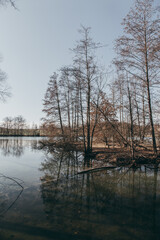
point(57, 203)
point(60, 164)
point(10, 191)
point(105, 205)
point(14, 146)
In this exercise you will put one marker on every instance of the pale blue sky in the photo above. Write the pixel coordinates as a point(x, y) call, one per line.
point(35, 42)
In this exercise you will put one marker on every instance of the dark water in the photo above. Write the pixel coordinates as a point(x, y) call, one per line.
point(42, 197)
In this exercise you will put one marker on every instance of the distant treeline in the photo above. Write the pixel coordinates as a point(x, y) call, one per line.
point(19, 132)
point(18, 126)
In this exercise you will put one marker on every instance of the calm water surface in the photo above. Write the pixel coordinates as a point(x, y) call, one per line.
point(42, 197)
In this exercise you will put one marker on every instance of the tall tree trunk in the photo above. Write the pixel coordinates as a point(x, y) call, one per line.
point(138, 117)
point(59, 110)
point(149, 97)
point(81, 106)
point(95, 121)
point(131, 122)
point(88, 119)
point(144, 115)
point(88, 105)
point(68, 108)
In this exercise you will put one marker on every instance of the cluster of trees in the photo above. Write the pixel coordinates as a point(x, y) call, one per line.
point(13, 126)
point(74, 95)
point(138, 65)
point(78, 104)
point(17, 126)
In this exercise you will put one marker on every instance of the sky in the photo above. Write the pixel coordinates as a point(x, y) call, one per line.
point(35, 42)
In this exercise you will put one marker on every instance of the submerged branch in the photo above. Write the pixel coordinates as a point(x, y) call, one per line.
point(96, 169)
point(22, 188)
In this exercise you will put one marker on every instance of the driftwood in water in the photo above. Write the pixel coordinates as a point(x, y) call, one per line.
point(96, 169)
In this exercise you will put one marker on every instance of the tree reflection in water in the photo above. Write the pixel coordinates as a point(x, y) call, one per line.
point(14, 146)
point(100, 205)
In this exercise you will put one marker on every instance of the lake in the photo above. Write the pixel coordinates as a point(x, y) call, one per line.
point(42, 197)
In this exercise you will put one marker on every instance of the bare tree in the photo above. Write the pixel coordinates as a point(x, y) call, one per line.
point(19, 125)
point(52, 104)
point(4, 88)
point(6, 2)
point(104, 110)
point(138, 50)
point(70, 94)
point(131, 119)
point(8, 124)
point(86, 66)
point(66, 86)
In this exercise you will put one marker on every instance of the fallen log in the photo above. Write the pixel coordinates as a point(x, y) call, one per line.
point(97, 169)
